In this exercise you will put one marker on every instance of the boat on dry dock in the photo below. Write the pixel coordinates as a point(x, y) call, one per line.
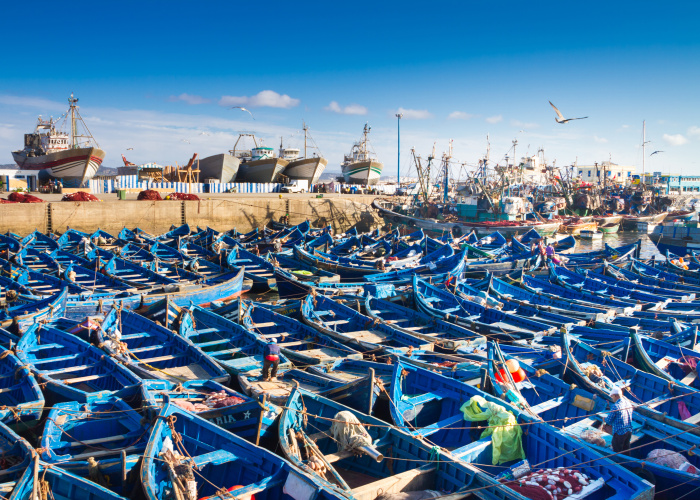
point(71, 157)
point(361, 165)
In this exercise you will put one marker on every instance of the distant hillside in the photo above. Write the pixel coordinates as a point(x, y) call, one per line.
point(106, 171)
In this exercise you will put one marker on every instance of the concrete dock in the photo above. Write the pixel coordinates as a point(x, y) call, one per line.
point(219, 211)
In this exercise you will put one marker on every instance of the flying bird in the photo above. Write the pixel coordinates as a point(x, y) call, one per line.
point(243, 109)
point(560, 118)
point(129, 149)
point(657, 151)
point(185, 140)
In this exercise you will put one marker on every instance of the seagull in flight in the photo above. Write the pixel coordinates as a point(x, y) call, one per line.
point(185, 140)
point(129, 149)
point(243, 109)
point(657, 151)
point(560, 118)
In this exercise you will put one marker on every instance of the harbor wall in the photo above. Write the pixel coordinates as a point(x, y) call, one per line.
point(243, 213)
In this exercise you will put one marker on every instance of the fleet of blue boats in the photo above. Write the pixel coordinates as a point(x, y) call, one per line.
point(412, 366)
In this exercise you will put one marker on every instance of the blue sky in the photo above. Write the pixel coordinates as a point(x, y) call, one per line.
point(155, 77)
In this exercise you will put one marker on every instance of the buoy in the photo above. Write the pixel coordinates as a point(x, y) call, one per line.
point(512, 365)
point(519, 375)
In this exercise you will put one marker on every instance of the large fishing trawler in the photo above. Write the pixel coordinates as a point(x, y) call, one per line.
point(361, 165)
point(71, 157)
point(304, 168)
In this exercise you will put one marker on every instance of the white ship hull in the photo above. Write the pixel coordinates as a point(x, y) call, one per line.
point(309, 169)
point(363, 172)
point(74, 167)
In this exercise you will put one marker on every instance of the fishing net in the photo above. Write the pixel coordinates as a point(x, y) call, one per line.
point(348, 432)
point(149, 195)
point(3, 200)
point(506, 434)
point(672, 459)
point(80, 196)
point(24, 198)
point(182, 196)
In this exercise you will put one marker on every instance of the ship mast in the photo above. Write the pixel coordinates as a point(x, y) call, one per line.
point(305, 128)
point(644, 154)
point(72, 101)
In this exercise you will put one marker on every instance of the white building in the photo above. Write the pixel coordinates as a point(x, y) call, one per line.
point(606, 172)
point(13, 178)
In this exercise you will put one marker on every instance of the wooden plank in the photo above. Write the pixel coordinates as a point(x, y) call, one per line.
point(664, 362)
point(690, 378)
point(81, 379)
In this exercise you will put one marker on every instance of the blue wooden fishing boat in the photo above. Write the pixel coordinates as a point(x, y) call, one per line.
point(506, 292)
point(656, 271)
point(441, 270)
point(21, 399)
point(153, 351)
point(233, 347)
point(575, 281)
point(175, 233)
point(600, 275)
point(16, 455)
point(223, 460)
point(485, 321)
point(352, 328)
point(653, 396)
point(301, 270)
point(259, 271)
point(133, 274)
point(58, 484)
point(69, 368)
point(576, 412)
point(354, 371)
point(224, 288)
point(99, 283)
point(45, 284)
point(73, 240)
point(359, 471)
point(174, 272)
point(433, 407)
point(550, 290)
point(100, 440)
point(671, 362)
point(624, 273)
point(36, 260)
point(300, 343)
point(291, 287)
point(445, 335)
point(540, 314)
point(167, 254)
point(39, 241)
point(231, 410)
point(137, 236)
point(349, 270)
point(9, 244)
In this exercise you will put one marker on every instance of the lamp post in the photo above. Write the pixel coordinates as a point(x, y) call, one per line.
point(398, 148)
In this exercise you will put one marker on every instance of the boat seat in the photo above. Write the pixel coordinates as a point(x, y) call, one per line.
point(158, 358)
point(135, 335)
point(215, 458)
point(224, 352)
point(56, 359)
point(336, 322)
point(70, 369)
point(202, 345)
point(547, 405)
point(87, 378)
point(664, 362)
point(202, 331)
point(690, 378)
point(147, 348)
point(291, 344)
point(423, 398)
point(432, 428)
point(694, 420)
point(45, 346)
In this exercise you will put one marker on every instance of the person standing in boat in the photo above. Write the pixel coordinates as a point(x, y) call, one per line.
point(271, 358)
point(552, 255)
point(620, 420)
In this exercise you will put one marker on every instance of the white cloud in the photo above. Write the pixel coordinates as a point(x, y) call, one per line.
point(494, 119)
point(189, 99)
point(675, 139)
point(459, 115)
point(625, 126)
point(525, 125)
point(33, 102)
point(601, 140)
point(694, 131)
point(351, 109)
point(263, 99)
point(413, 114)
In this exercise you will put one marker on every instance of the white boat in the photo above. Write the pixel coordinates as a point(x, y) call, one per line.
point(73, 157)
point(587, 234)
point(304, 168)
point(361, 165)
